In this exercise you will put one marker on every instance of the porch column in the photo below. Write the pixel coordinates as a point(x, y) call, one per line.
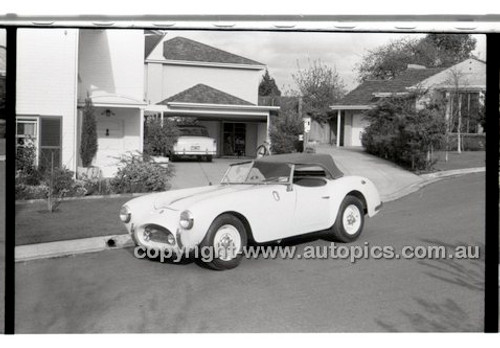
point(141, 130)
point(268, 138)
point(339, 121)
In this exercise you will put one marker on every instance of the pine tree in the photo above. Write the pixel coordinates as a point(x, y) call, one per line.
point(268, 87)
point(88, 143)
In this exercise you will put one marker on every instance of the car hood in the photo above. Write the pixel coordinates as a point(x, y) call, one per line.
point(180, 199)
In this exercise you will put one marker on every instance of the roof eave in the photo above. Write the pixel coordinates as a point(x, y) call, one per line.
point(183, 105)
point(208, 64)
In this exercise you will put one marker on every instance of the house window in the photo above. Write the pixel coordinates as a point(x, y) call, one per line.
point(45, 134)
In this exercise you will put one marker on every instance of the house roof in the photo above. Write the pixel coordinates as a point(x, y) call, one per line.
point(151, 39)
point(203, 94)
point(182, 49)
point(364, 93)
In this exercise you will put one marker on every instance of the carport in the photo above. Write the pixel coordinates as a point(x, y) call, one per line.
point(236, 125)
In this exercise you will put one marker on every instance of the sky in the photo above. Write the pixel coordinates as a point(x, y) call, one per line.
point(283, 52)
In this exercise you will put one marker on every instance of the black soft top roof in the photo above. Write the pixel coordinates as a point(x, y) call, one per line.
point(324, 160)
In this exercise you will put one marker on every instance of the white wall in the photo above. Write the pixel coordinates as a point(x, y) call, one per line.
point(242, 83)
point(123, 136)
point(359, 123)
point(112, 62)
point(47, 80)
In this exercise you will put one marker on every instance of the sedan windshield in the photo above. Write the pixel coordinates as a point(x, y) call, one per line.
point(258, 173)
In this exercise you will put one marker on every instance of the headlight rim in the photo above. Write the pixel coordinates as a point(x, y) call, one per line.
point(125, 214)
point(187, 217)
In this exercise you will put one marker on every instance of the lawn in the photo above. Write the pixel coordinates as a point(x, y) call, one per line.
point(466, 159)
point(75, 219)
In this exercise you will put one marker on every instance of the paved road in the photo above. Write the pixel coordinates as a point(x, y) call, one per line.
point(2, 242)
point(191, 173)
point(114, 292)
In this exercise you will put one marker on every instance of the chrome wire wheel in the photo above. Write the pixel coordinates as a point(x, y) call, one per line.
point(351, 219)
point(227, 242)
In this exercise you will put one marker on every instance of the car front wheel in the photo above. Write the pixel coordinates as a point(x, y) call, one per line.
point(225, 240)
point(350, 220)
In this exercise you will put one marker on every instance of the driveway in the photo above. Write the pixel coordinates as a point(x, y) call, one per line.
point(190, 173)
point(388, 177)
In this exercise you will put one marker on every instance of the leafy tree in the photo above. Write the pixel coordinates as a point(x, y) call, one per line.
point(433, 50)
point(320, 86)
point(403, 133)
point(268, 87)
point(88, 143)
point(285, 128)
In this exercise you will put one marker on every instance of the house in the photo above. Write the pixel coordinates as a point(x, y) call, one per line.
point(467, 77)
point(186, 78)
point(129, 75)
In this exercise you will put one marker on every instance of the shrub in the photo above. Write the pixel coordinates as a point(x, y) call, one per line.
point(402, 134)
point(286, 128)
point(26, 171)
point(137, 175)
point(159, 139)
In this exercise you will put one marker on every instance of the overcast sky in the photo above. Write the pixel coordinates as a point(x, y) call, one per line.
point(282, 51)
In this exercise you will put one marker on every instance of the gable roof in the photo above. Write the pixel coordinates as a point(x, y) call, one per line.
point(203, 94)
point(151, 39)
point(364, 93)
point(182, 49)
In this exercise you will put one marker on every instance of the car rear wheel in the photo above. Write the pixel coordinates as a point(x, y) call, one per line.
point(208, 158)
point(350, 220)
point(225, 239)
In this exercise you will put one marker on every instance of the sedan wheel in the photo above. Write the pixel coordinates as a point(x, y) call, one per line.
point(350, 220)
point(226, 238)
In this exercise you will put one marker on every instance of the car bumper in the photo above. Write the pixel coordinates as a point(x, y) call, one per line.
point(194, 153)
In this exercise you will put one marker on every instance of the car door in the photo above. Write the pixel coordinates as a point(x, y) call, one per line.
point(312, 208)
point(270, 212)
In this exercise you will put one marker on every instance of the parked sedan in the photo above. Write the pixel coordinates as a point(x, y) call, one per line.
point(264, 200)
point(194, 141)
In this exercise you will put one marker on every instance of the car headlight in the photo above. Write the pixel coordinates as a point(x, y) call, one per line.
point(125, 214)
point(186, 220)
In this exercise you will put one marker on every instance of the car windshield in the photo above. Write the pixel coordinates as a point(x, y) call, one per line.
point(194, 131)
point(258, 173)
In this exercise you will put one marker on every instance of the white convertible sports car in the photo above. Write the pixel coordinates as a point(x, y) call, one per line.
point(258, 201)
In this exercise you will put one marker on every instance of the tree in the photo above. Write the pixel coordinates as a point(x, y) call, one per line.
point(433, 50)
point(268, 87)
point(320, 86)
point(88, 143)
point(285, 128)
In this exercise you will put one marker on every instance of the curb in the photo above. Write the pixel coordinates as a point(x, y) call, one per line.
point(71, 247)
point(83, 198)
point(429, 179)
point(95, 244)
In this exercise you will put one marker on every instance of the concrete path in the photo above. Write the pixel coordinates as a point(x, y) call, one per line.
point(388, 177)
